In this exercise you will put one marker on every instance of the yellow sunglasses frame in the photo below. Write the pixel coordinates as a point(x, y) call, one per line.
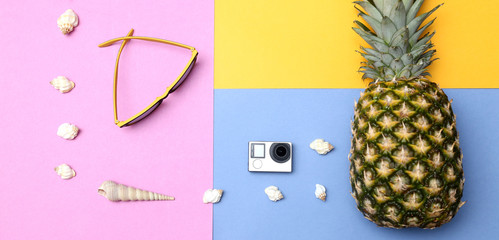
point(158, 99)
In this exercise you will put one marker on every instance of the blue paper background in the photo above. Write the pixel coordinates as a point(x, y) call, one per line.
point(302, 115)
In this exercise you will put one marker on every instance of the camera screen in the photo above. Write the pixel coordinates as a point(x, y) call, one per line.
point(258, 151)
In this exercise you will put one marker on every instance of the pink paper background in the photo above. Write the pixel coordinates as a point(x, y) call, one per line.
point(170, 152)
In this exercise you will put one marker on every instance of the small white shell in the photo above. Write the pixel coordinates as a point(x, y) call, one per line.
point(67, 131)
point(321, 146)
point(212, 195)
point(273, 193)
point(62, 84)
point(67, 21)
point(65, 171)
point(320, 192)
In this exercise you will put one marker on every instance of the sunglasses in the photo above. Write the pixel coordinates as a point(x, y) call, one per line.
point(174, 86)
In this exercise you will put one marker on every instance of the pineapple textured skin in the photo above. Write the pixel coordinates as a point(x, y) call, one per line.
point(406, 163)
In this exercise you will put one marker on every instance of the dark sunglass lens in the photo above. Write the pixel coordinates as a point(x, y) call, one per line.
point(183, 76)
point(144, 115)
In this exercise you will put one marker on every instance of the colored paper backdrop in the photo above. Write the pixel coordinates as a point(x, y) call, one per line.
point(259, 44)
point(311, 44)
point(169, 152)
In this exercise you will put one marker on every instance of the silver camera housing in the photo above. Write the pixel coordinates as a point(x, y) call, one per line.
point(270, 156)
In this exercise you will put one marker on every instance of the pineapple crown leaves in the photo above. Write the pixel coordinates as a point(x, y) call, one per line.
point(399, 46)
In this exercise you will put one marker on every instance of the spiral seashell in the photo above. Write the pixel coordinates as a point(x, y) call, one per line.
point(321, 147)
point(118, 192)
point(273, 193)
point(212, 195)
point(65, 171)
point(320, 192)
point(67, 21)
point(67, 131)
point(62, 84)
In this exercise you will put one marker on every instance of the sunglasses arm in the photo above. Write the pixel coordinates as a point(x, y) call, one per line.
point(115, 90)
point(110, 42)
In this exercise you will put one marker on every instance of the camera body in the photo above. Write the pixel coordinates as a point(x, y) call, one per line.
point(270, 157)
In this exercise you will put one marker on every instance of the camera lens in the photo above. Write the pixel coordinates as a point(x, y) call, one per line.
point(280, 152)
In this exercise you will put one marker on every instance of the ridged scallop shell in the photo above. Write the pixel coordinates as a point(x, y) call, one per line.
point(118, 192)
point(65, 171)
point(67, 131)
point(212, 195)
point(320, 192)
point(273, 193)
point(62, 84)
point(321, 147)
point(67, 21)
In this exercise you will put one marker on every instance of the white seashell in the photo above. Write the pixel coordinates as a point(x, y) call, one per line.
point(321, 146)
point(65, 171)
point(67, 131)
point(273, 193)
point(62, 84)
point(118, 192)
point(320, 192)
point(67, 21)
point(212, 195)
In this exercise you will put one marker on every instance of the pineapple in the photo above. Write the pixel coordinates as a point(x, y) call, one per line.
point(406, 163)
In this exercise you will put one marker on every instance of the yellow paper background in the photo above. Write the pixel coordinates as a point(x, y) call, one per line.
point(310, 44)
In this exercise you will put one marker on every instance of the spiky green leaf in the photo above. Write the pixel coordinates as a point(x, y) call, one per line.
point(370, 9)
point(388, 5)
point(375, 25)
point(373, 41)
point(387, 59)
point(364, 35)
point(369, 71)
point(389, 73)
point(413, 11)
point(388, 28)
point(363, 27)
point(407, 4)
point(421, 72)
point(415, 37)
point(398, 15)
point(381, 47)
point(407, 59)
point(371, 51)
point(370, 57)
point(416, 22)
point(424, 40)
point(428, 55)
point(379, 64)
point(396, 51)
point(405, 73)
point(397, 65)
point(379, 4)
point(400, 37)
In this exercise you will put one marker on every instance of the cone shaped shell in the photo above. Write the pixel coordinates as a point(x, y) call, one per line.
point(118, 192)
point(320, 192)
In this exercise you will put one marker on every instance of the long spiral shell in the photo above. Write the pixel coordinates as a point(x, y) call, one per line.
point(118, 192)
